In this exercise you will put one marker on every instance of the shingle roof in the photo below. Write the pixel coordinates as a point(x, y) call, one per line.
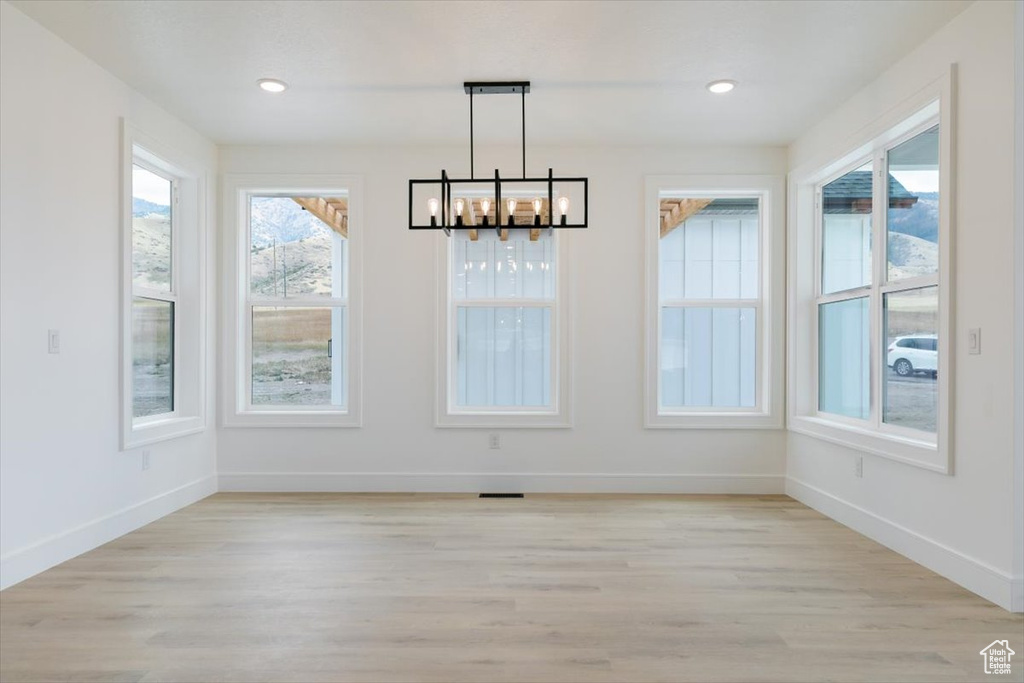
point(852, 193)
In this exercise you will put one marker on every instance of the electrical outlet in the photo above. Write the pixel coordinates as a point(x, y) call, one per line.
point(858, 467)
point(974, 341)
point(145, 460)
point(494, 441)
point(53, 341)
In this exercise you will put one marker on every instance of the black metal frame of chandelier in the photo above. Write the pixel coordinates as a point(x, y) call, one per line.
point(446, 202)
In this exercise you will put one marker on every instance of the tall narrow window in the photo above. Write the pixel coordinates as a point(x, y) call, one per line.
point(844, 332)
point(296, 304)
point(711, 332)
point(163, 332)
point(708, 297)
point(503, 299)
point(910, 297)
point(503, 328)
point(154, 292)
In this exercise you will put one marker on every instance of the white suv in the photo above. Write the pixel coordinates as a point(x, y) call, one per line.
point(914, 353)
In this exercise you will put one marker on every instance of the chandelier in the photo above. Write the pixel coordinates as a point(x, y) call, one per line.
point(503, 204)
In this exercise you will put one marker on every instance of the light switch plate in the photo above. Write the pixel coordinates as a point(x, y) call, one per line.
point(974, 340)
point(53, 341)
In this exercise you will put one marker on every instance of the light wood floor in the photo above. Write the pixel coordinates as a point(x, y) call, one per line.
point(324, 587)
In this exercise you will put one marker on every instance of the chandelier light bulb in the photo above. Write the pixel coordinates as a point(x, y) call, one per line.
point(563, 205)
point(511, 204)
point(459, 205)
point(432, 205)
point(485, 206)
point(537, 204)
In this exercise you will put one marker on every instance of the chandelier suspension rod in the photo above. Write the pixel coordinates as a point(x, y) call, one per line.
point(524, 132)
point(471, 173)
point(472, 154)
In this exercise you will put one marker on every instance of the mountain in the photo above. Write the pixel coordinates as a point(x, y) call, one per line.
point(281, 220)
point(919, 220)
point(142, 208)
point(910, 256)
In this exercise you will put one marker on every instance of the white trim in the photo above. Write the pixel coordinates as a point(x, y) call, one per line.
point(235, 342)
point(767, 412)
point(188, 289)
point(933, 103)
point(1018, 360)
point(973, 574)
point(30, 560)
point(560, 415)
point(501, 482)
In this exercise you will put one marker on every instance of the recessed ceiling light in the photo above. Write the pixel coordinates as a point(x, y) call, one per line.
point(272, 85)
point(719, 87)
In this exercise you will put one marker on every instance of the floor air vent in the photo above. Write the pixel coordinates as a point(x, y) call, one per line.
point(501, 495)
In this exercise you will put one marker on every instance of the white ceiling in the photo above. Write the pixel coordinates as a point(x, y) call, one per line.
point(602, 72)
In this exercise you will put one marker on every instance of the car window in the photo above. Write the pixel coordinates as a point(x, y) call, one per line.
point(906, 343)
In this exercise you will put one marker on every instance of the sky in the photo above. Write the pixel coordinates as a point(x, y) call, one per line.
point(918, 181)
point(151, 187)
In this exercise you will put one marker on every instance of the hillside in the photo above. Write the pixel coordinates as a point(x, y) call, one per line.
point(291, 249)
point(920, 220)
point(911, 256)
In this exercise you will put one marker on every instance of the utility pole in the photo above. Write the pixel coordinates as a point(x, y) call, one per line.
point(274, 269)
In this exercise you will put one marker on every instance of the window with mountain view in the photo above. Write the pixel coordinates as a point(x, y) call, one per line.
point(297, 301)
point(891, 291)
point(154, 294)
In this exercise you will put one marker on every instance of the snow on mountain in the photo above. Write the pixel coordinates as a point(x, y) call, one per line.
point(281, 220)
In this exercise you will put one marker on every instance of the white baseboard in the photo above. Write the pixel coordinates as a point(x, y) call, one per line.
point(20, 564)
point(974, 575)
point(488, 482)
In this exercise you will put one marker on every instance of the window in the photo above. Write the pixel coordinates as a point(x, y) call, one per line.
point(505, 330)
point(709, 356)
point(871, 261)
point(162, 307)
point(295, 342)
point(153, 293)
point(899, 294)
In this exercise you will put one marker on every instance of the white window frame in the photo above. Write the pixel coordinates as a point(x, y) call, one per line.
point(930, 106)
point(560, 413)
point(237, 408)
point(187, 290)
point(767, 412)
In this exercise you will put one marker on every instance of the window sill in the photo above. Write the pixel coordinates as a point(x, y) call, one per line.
point(155, 431)
point(293, 419)
point(923, 454)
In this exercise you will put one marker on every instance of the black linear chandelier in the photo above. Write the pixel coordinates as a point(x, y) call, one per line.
point(478, 202)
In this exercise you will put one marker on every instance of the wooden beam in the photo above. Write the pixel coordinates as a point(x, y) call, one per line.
point(685, 208)
point(469, 218)
point(327, 210)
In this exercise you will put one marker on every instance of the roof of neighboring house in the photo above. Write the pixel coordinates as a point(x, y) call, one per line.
point(730, 206)
point(852, 194)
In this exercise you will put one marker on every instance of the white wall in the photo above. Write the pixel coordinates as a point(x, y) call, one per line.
point(64, 485)
point(961, 525)
point(399, 447)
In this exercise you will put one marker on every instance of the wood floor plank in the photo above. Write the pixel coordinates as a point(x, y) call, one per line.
point(415, 587)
